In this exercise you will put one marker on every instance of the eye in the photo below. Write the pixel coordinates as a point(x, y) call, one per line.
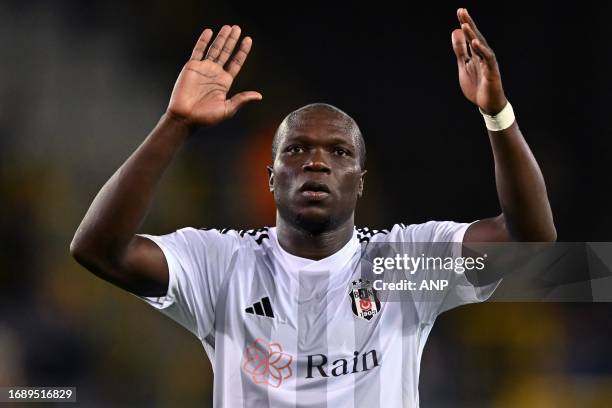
point(341, 152)
point(295, 149)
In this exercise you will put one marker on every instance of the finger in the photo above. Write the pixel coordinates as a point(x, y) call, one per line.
point(464, 17)
point(237, 61)
point(460, 46)
point(198, 50)
point(238, 100)
point(228, 48)
point(470, 35)
point(217, 45)
point(488, 56)
point(472, 38)
point(468, 32)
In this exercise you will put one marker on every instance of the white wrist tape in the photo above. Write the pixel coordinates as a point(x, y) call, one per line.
point(503, 120)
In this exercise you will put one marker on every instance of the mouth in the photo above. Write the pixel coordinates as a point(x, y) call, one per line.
point(314, 191)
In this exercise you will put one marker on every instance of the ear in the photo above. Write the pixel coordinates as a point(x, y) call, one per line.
point(361, 182)
point(270, 178)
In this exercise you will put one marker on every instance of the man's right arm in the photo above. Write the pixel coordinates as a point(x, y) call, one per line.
point(106, 242)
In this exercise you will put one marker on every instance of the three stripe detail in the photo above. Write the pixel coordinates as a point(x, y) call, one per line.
point(261, 308)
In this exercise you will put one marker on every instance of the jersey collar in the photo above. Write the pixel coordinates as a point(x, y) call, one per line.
point(333, 262)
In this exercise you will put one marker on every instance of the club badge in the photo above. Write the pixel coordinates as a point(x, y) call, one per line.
point(364, 302)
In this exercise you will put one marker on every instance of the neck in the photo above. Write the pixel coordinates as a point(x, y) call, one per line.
point(304, 244)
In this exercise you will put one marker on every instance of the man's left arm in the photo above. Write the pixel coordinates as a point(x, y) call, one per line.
point(526, 213)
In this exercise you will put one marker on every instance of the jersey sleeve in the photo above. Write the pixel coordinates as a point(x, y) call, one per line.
point(443, 239)
point(197, 263)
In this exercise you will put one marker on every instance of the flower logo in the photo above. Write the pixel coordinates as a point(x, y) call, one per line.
point(266, 363)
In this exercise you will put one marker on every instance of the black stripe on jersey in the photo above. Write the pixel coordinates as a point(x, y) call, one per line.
point(267, 306)
point(258, 234)
point(364, 234)
point(258, 309)
point(260, 239)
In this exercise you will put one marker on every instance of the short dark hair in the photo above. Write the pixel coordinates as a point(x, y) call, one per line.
point(319, 106)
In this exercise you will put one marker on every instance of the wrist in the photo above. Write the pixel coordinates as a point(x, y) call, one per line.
point(178, 121)
point(502, 120)
point(495, 105)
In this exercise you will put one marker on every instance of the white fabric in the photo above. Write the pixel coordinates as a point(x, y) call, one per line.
point(216, 275)
point(501, 121)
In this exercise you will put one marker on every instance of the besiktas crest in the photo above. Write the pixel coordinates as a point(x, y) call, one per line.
point(364, 302)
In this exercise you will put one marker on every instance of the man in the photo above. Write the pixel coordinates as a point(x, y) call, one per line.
point(285, 313)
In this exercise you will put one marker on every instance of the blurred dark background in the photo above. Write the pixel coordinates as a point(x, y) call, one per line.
point(82, 83)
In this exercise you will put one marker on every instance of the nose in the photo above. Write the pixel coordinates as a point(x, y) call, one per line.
point(315, 162)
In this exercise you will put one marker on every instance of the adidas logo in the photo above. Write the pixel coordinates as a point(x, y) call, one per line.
point(262, 308)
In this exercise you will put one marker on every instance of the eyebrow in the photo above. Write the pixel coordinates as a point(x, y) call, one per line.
point(334, 140)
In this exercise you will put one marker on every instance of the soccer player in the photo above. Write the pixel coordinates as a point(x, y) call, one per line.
point(284, 313)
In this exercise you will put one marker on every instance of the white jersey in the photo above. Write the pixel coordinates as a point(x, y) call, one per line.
point(285, 331)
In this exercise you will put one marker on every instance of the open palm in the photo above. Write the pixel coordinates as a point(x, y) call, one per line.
point(200, 93)
point(479, 75)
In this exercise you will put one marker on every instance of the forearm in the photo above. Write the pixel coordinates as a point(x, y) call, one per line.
point(121, 205)
point(520, 187)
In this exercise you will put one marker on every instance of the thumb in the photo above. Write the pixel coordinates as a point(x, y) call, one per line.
point(460, 46)
point(236, 101)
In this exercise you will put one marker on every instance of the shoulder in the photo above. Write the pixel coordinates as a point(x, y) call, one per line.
point(241, 237)
point(430, 231)
point(198, 240)
point(366, 234)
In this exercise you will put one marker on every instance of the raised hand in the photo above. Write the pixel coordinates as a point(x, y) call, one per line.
point(199, 96)
point(479, 75)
